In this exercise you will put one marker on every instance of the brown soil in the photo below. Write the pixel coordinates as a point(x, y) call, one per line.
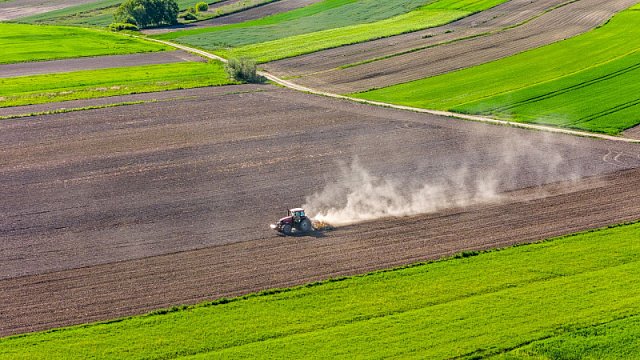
point(114, 212)
point(319, 70)
point(22, 8)
point(633, 133)
point(93, 63)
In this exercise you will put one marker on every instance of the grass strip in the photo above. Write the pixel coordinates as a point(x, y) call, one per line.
point(22, 43)
point(473, 305)
point(548, 85)
point(368, 61)
point(327, 39)
point(343, 25)
point(39, 89)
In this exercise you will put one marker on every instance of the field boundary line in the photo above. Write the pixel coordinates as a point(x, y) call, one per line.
point(449, 114)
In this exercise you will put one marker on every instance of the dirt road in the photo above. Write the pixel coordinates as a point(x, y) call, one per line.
point(548, 23)
point(112, 212)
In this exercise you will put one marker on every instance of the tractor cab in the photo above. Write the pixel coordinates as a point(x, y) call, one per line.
point(297, 214)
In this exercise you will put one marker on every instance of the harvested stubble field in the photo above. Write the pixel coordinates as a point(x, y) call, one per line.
point(562, 22)
point(169, 203)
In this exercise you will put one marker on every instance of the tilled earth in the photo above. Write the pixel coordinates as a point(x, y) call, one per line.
point(98, 62)
point(114, 212)
point(505, 30)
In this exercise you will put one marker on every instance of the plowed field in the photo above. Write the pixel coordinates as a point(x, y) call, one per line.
point(112, 212)
point(93, 63)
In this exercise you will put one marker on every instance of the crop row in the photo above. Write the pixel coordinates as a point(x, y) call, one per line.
point(549, 85)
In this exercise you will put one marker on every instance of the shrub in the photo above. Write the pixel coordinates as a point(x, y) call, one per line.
point(243, 69)
point(202, 6)
point(189, 16)
point(123, 26)
point(146, 13)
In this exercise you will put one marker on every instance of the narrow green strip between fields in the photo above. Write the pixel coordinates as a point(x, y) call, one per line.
point(38, 89)
point(22, 43)
point(548, 85)
point(331, 23)
point(468, 306)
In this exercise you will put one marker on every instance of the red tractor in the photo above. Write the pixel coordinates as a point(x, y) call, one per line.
point(296, 220)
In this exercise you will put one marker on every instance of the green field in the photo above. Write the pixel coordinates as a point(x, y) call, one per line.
point(615, 340)
point(327, 24)
point(20, 43)
point(548, 85)
point(519, 299)
point(98, 13)
point(38, 89)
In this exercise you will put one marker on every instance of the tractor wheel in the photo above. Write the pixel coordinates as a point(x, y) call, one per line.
point(305, 225)
point(286, 229)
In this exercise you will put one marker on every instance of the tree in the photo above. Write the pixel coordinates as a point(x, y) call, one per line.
point(146, 13)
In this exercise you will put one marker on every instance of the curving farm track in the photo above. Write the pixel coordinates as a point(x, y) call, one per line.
point(548, 23)
point(113, 212)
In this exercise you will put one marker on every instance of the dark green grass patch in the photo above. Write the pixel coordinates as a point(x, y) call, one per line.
point(328, 24)
point(21, 43)
point(321, 16)
point(38, 89)
point(589, 82)
point(469, 306)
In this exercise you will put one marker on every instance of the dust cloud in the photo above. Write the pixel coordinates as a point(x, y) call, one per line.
point(358, 195)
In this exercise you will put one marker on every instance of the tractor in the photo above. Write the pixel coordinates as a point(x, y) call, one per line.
point(295, 221)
